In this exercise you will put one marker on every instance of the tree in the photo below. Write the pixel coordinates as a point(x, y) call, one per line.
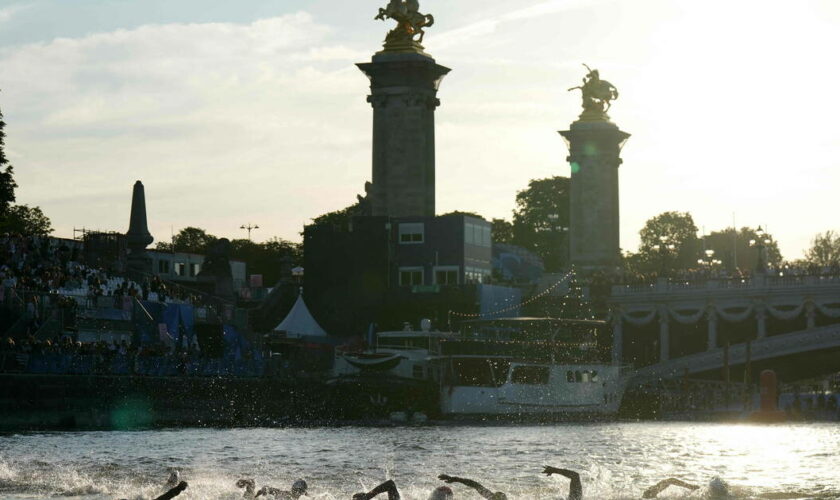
point(825, 250)
point(7, 181)
point(502, 231)
point(26, 220)
point(733, 248)
point(21, 219)
point(342, 217)
point(188, 240)
point(669, 241)
point(541, 220)
point(272, 259)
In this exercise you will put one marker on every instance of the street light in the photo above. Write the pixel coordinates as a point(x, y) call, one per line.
point(760, 243)
point(709, 261)
point(248, 227)
point(664, 247)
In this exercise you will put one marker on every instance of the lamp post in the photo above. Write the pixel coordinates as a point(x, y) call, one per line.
point(664, 247)
point(760, 243)
point(708, 261)
point(248, 227)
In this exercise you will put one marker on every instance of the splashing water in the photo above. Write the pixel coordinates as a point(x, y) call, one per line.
point(617, 461)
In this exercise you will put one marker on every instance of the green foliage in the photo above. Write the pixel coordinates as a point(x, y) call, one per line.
point(825, 250)
point(270, 259)
point(26, 220)
point(7, 181)
point(728, 243)
point(502, 231)
point(459, 212)
point(541, 220)
point(669, 241)
point(342, 217)
point(189, 240)
point(18, 219)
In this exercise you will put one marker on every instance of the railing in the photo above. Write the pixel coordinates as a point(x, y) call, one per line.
point(665, 285)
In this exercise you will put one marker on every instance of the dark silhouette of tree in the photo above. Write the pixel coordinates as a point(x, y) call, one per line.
point(188, 240)
point(824, 250)
point(7, 180)
point(502, 231)
point(669, 241)
point(20, 219)
point(23, 219)
point(729, 244)
point(541, 220)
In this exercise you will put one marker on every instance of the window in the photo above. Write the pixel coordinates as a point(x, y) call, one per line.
point(446, 275)
point(475, 274)
point(531, 375)
point(477, 234)
point(194, 269)
point(410, 276)
point(180, 269)
point(411, 233)
point(163, 267)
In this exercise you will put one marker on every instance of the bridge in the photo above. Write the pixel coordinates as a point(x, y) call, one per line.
point(674, 328)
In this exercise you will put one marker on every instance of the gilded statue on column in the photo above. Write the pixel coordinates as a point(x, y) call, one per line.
point(597, 95)
point(410, 24)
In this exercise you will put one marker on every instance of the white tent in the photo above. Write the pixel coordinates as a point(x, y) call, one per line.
point(300, 323)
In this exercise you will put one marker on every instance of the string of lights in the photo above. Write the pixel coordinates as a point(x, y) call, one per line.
point(514, 307)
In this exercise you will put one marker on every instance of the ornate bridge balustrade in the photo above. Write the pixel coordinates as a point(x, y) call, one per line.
point(671, 319)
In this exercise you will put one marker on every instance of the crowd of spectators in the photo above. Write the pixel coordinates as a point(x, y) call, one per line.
point(64, 356)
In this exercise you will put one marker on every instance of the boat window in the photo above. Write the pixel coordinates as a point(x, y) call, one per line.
point(585, 376)
point(473, 372)
point(570, 376)
point(500, 367)
point(532, 375)
point(578, 377)
point(595, 376)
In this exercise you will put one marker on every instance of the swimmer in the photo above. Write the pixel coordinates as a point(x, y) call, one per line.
point(174, 478)
point(484, 492)
point(389, 487)
point(575, 488)
point(174, 492)
point(248, 484)
point(718, 489)
point(298, 490)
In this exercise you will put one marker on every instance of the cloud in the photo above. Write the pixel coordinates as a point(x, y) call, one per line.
point(220, 120)
point(8, 13)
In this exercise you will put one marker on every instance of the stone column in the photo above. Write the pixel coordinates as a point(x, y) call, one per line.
point(404, 89)
point(711, 318)
point(810, 315)
point(618, 337)
point(761, 320)
point(594, 148)
point(664, 335)
point(138, 236)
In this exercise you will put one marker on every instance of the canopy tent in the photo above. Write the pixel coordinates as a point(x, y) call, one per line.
point(300, 323)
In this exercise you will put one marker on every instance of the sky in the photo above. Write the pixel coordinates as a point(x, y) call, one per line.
point(254, 112)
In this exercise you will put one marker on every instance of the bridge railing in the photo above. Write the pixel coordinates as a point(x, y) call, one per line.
point(664, 285)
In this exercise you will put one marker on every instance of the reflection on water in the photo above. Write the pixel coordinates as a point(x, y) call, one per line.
point(617, 461)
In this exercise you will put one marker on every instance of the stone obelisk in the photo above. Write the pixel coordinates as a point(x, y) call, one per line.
point(404, 81)
point(138, 236)
point(594, 155)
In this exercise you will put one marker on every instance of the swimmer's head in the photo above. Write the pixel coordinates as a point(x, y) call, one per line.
point(498, 496)
point(299, 488)
point(442, 493)
point(245, 483)
point(718, 488)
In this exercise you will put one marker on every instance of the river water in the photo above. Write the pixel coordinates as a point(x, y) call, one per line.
point(616, 460)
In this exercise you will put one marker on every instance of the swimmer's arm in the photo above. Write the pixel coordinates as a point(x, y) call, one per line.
point(174, 492)
point(661, 485)
point(575, 487)
point(388, 486)
point(468, 482)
